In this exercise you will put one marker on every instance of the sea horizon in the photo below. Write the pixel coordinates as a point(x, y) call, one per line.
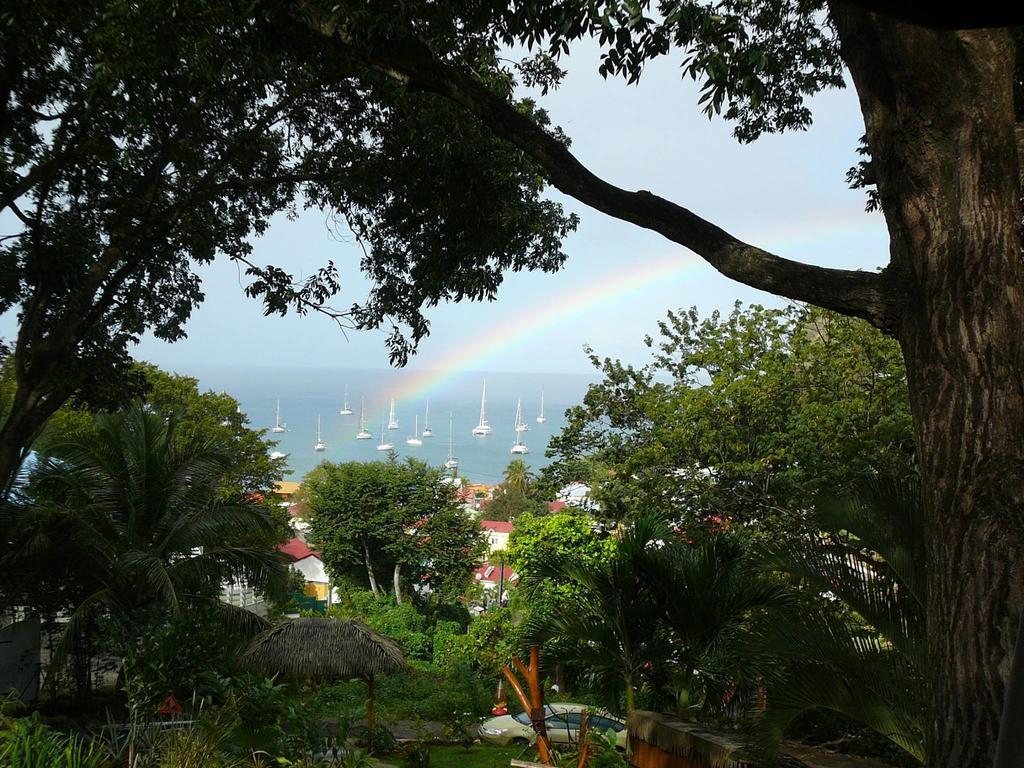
point(307, 392)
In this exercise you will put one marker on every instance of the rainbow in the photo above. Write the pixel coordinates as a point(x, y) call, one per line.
point(473, 355)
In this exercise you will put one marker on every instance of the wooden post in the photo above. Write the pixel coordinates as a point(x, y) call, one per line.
point(371, 692)
point(534, 703)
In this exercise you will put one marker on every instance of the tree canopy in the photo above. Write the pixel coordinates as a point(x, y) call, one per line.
point(372, 520)
point(746, 416)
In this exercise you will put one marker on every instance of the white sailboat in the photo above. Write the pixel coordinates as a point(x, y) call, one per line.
point(392, 420)
point(384, 445)
point(345, 410)
point(275, 455)
point(415, 439)
point(363, 433)
point(452, 462)
point(427, 431)
point(519, 446)
point(278, 427)
point(520, 424)
point(483, 428)
point(320, 445)
point(540, 418)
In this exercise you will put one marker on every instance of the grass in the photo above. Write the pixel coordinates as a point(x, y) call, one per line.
point(479, 756)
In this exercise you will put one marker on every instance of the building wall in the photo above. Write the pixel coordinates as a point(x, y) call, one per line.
point(312, 569)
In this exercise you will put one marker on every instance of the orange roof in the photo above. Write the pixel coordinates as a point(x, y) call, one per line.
point(287, 487)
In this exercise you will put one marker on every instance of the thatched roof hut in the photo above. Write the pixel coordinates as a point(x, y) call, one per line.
point(323, 649)
point(318, 648)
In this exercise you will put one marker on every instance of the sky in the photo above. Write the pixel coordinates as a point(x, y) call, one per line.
point(784, 193)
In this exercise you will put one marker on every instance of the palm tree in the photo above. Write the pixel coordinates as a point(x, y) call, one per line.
point(712, 595)
point(518, 477)
point(140, 523)
point(862, 653)
point(613, 629)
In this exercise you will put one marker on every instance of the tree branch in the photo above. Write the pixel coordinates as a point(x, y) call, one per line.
point(862, 294)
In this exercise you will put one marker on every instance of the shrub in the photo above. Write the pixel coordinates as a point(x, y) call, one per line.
point(27, 743)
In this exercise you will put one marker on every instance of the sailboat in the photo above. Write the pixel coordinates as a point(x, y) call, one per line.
point(452, 462)
point(363, 433)
point(278, 427)
point(520, 424)
point(519, 446)
point(384, 444)
point(320, 445)
point(427, 431)
point(392, 421)
point(415, 439)
point(483, 428)
point(540, 418)
point(345, 410)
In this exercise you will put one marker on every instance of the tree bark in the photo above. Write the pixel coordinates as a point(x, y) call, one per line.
point(398, 583)
point(938, 109)
point(374, 587)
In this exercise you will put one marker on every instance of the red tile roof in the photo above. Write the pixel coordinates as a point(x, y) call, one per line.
point(554, 506)
point(499, 526)
point(490, 573)
point(297, 550)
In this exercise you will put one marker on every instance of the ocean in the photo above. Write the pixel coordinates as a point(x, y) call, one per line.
point(306, 393)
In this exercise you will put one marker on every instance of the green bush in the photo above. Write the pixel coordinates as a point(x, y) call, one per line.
point(402, 622)
point(27, 743)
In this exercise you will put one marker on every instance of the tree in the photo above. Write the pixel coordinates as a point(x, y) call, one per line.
point(518, 477)
point(940, 106)
point(515, 496)
point(131, 521)
point(662, 614)
point(612, 626)
point(868, 660)
point(402, 518)
point(746, 417)
point(142, 140)
point(202, 416)
point(941, 114)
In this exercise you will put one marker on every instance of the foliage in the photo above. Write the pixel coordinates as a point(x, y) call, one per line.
point(663, 614)
point(381, 518)
point(407, 626)
point(862, 653)
point(202, 416)
point(27, 743)
point(741, 419)
point(519, 478)
point(141, 141)
point(494, 638)
point(509, 504)
point(134, 525)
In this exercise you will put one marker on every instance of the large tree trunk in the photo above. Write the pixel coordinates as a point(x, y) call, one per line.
point(939, 114)
point(30, 408)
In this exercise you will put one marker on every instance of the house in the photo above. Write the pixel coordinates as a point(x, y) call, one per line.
point(285, 490)
point(307, 561)
point(297, 514)
point(577, 495)
point(497, 532)
point(489, 576)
